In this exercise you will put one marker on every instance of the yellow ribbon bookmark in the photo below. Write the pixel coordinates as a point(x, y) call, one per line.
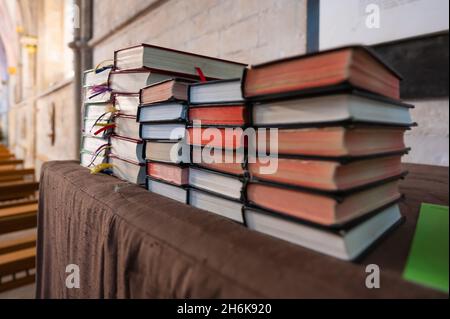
point(100, 167)
point(111, 109)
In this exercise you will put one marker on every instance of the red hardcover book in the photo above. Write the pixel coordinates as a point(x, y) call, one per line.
point(226, 161)
point(327, 175)
point(336, 141)
point(233, 115)
point(228, 138)
point(170, 90)
point(355, 66)
point(174, 174)
point(324, 209)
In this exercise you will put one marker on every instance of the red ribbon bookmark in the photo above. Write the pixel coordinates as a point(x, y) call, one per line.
point(104, 128)
point(200, 74)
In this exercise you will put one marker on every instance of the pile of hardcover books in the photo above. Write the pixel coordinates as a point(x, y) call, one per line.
point(163, 115)
point(339, 145)
point(113, 133)
point(160, 76)
point(96, 116)
point(126, 157)
point(217, 119)
point(141, 67)
point(307, 149)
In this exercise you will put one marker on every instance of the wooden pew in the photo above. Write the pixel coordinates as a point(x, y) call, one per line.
point(12, 245)
point(14, 263)
point(18, 212)
point(17, 190)
point(19, 260)
point(18, 218)
point(10, 161)
point(16, 174)
point(5, 156)
point(10, 164)
point(17, 255)
point(5, 153)
point(18, 202)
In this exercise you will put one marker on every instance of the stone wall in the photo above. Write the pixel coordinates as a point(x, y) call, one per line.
point(21, 131)
point(55, 118)
point(249, 31)
point(429, 140)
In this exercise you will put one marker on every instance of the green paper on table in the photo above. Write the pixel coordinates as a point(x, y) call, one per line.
point(428, 259)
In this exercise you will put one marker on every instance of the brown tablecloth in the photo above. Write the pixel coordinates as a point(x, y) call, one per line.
point(130, 243)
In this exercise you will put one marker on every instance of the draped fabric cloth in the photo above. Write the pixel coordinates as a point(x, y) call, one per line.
point(130, 243)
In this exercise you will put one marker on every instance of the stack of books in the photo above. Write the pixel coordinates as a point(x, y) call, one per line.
point(97, 112)
point(337, 150)
point(138, 67)
point(126, 145)
point(163, 110)
point(163, 115)
point(307, 149)
point(217, 117)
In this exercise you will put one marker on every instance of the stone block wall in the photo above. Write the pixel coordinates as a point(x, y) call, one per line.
point(249, 31)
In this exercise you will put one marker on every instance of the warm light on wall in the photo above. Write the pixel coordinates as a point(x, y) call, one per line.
point(12, 70)
point(19, 29)
point(31, 48)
